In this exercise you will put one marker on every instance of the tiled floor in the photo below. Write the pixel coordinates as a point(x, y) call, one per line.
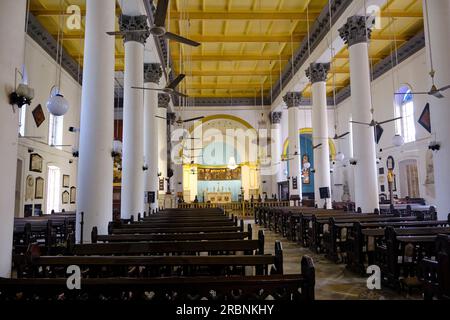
point(333, 281)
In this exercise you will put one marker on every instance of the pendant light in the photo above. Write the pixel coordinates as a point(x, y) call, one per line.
point(57, 105)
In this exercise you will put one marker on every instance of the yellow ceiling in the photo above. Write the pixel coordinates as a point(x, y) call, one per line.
point(245, 43)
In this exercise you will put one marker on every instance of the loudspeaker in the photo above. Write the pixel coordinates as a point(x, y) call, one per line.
point(324, 193)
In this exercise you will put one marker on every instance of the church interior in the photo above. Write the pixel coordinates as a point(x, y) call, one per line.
point(178, 150)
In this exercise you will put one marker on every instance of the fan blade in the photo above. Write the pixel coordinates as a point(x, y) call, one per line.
point(151, 89)
point(343, 135)
point(175, 37)
point(357, 122)
point(115, 33)
point(288, 159)
point(180, 94)
point(161, 117)
point(319, 145)
point(161, 13)
point(176, 81)
point(444, 88)
point(391, 120)
point(193, 119)
point(413, 93)
point(436, 94)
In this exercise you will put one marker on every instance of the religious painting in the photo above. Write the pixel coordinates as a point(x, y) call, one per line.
point(66, 181)
point(65, 197)
point(306, 171)
point(36, 162)
point(429, 168)
point(29, 188)
point(211, 174)
point(39, 188)
point(425, 118)
point(73, 195)
point(38, 115)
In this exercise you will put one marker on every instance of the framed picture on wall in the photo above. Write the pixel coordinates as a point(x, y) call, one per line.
point(73, 195)
point(35, 163)
point(65, 197)
point(39, 188)
point(66, 181)
point(38, 115)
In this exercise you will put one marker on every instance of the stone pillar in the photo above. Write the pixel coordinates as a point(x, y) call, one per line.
point(317, 74)
point(439, 25)
point(355, 33)
point(12, 26)
point(292, 100)
point(152, 76)
point(95, 163)
point(276, 146)
point(163, 103)
point(132, 201)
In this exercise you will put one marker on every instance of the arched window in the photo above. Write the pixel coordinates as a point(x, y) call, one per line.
point(55, 130)
point(404, 107)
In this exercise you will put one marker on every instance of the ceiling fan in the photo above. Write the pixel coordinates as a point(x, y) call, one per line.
point(434, 91)
point(180, 121)
point(158, 28)
point(374, 123)
point(170, 88)
point(317, 146)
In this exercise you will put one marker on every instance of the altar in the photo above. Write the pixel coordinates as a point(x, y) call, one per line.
point(218, 197)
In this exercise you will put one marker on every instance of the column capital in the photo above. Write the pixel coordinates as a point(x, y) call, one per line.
point(137, 27)
point(152, 72)
point(292, 99)
point(318, 72)
point(358, 29)
point(275, 117)
point(171, 117)
point(163, 100)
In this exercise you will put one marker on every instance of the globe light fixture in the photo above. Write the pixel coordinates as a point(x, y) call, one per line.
point(57, 105)
point(306, 165)
point(340, 156)
point(398, 140)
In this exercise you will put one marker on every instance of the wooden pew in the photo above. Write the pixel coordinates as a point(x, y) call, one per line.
point(403, 251)
point(364, 237)
point(95, 237)
point(170, 247)
point(281, 287)
point(435, 273)
point(334, 240)
point(34, 265)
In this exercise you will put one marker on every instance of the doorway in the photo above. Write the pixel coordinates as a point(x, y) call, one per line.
point(409, 179)
point(53, 189)
point(18, 189)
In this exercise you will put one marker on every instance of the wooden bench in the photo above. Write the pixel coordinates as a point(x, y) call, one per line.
point(435, 271)
point(364, 237)
point(403, 250)
point(34, 265)
point(296, 287)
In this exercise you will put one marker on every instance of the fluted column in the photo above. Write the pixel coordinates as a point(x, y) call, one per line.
point(292, 100)
point(132, 201)
point(439, 31)
point(317, 74)
point(163, 103)
point(152, 76)
point(12, 26)
point(276, 146)
point(356, 34)
point(95, 163)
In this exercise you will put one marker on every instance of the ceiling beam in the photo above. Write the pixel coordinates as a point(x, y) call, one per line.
point(232, 57)
point(234, 85)
point(247, 15)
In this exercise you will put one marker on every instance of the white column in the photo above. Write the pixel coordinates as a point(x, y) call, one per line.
point(12, 26)
point(95, 164)
point(356, 34)
point(292, 100)
point(152, 76)
point(276, 147)
point(132, 201)
point(439, 25)
point(163, 102)
point(317, 74)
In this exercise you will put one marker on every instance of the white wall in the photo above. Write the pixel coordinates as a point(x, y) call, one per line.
point(41, 70)
point(412, 72)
